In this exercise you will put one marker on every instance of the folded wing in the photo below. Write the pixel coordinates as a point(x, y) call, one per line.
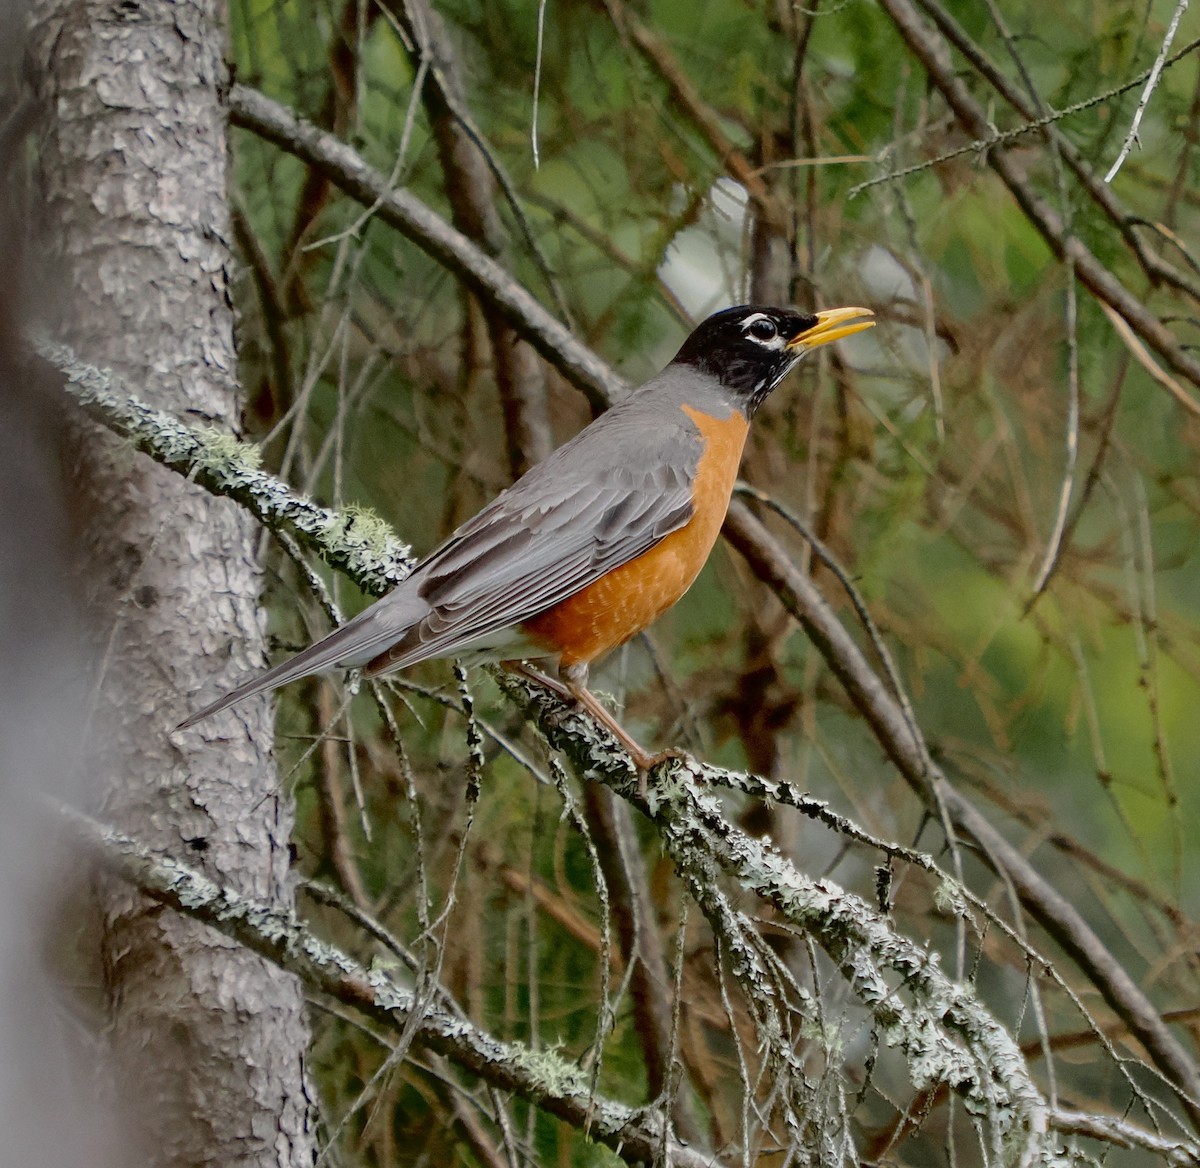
point(570, 520)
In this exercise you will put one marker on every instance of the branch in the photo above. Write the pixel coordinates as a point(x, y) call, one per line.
point(1111, 1129)
point(934, 55)
point(688, 98)
point(911, 756)
point(945, 1033)
point(1151, 86)
point(346, 169)
point(552, 1083)
point(695, 832)
point(471, 172)
point(1156, 268)
point(354, 540)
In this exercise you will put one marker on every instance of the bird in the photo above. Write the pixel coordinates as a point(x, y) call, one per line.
point(595, 542)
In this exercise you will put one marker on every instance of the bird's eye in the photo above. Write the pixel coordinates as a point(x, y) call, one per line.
point(763, 330)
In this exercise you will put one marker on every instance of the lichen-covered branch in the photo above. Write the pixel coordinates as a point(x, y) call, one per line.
point(355, 543)
point(769, 561)
point(1056, 914)
point(544, 1078)
point(796, 590)
point(945, 1033)
point(354, 539)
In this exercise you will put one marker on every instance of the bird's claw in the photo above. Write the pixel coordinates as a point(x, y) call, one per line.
point(645, 763)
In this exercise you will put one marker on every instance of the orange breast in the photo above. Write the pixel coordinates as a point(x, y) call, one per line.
point(622, 603)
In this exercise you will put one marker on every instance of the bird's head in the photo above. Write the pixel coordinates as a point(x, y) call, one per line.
point(751, 348)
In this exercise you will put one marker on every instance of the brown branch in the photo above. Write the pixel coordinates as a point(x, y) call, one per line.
point(470, 186)
point(336, 112)
point(1156, 268)
point(331, 802)
point(402, 210)
point(633, 908)
point(691, 104)
point(933, 53)
point(271, 404)
point(1049, 907)
point(645, 274)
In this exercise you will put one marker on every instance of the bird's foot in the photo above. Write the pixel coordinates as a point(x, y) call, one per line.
point(645, 763)
point(643, 760)
point(577, 693)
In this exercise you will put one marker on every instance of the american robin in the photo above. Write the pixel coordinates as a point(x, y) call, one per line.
point(598, 540)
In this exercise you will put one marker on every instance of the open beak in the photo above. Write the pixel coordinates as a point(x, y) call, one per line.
point(832, 325)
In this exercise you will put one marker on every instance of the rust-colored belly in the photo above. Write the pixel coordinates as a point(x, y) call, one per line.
point(620, 604)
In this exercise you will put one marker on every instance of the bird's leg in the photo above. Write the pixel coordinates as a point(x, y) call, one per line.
point(576, 684)
point(527, 671)
point(575, 690)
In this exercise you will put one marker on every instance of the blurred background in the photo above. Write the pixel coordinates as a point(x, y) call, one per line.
point(1006, 468)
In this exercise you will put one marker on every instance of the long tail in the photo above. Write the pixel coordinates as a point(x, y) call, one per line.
point(354, 643)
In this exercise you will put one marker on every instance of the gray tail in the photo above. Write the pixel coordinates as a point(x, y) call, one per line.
point(354, 643)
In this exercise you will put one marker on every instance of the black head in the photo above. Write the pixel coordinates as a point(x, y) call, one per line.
point(752, 348)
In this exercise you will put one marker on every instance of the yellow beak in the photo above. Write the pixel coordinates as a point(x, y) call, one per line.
point(832, 325)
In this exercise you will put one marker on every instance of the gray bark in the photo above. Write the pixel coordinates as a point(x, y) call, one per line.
point(207, 1039)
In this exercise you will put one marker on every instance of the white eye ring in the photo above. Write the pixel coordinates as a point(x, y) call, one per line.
point(761, 329)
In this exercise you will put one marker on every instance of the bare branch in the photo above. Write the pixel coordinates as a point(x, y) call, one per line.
point(404, 211)
point(1120, 1132)
point(1148, 92)
point(934, 55)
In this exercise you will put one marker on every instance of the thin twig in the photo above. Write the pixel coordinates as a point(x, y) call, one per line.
point(537, 83)
point(1102, 195)
point(985, 142)
point(1151, 85)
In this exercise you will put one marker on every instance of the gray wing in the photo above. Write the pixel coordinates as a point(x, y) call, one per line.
point(571, 519)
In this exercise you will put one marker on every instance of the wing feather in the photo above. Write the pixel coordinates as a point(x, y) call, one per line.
point(567, 523)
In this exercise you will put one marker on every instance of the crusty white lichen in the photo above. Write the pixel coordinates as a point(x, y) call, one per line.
point(946, 1034)
point(543, 1076)
point(355, 539)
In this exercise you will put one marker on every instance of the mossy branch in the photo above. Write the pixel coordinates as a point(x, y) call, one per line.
point(544, 1078)
point(944, 1032)
point(353, 540)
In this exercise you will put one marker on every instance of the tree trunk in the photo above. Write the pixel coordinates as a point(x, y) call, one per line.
point(208, 1041)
